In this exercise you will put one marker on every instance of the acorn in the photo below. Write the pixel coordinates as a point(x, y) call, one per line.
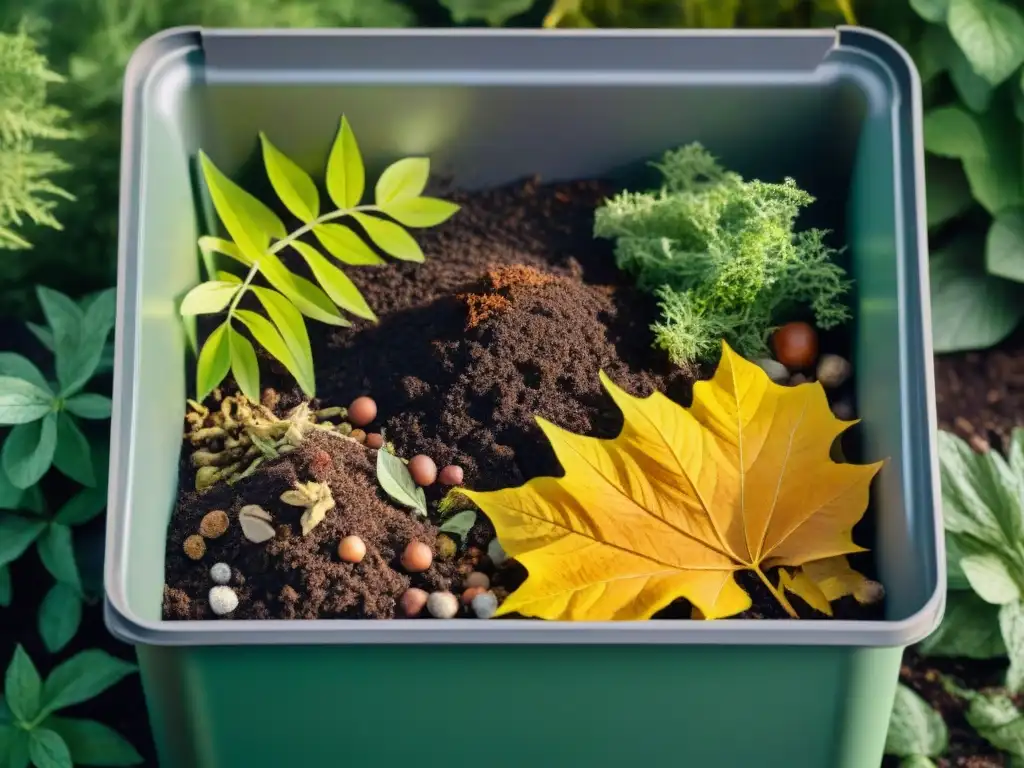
point(796, 345)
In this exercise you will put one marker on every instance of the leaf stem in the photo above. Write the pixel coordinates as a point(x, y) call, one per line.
point(777, 594)
point(323, 219)
point(241, 291)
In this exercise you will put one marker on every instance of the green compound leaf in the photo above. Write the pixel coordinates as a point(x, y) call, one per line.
point(402, 180)
point(16, 366)
point(28, 451)
point(244, 365)
point(346, 177)
point(208, 298)
point(89, 406)
point(997, 720)
point(974, 90)
point(947, 191)
point(292, 330)
point(914, 727)
point(969, 629)
point(23, 687)
point(292, 184)
point(57, 551)
point(60, 615)
point(92, 743)
point(248, 221)
point(82, 677)
point(494, 12)
point(953, 132)
point(420, 211)
point(335, 283)
point(73, 455)
point(931, 10)
point(990, 578)
point(22, 402)
point(1011, 624)
point(271, 340)
point(1004, 247)
point(82, 507)
point(48, 750)
point(393, 476)
point(16, 535)
point(214, 361)
point(346, 246)
point(390, 237)
point(991, 35)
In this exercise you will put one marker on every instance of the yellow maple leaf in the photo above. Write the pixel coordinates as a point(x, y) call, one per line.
point(684, 498)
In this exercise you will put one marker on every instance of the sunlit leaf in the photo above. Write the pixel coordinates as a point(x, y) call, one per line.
point(22, 402)
point(244, 365)
point(292, 184)
point(208, 298)
point(16, 366)
point(402, 180)
point(248, 221)
point(390, 237)
point(346, 177)
point(346, 246)
point(420, 211)
point(292, 329)
point(336, 283)
point(270, 339)
point(214, 361)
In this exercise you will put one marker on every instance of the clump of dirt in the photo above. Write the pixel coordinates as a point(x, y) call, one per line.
point(495, 299)
point(301, 577)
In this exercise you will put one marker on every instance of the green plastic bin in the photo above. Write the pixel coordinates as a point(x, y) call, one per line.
point(838, 110)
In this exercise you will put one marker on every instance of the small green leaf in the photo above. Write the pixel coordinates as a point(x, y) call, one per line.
point(292, 184)
point(244, 365)
point(89, 406)
point(969, 629)
point(292, 329)
point(28, 451)
point(82, 507)
point(346, 176)
point(1004, 247)
point(214, 361)
point(335, 283)
point(970, 308)
point(460, 523)
point(93, 743)
point(972, 88)
point(271, 340)
point(991, 35)
point(82, 677)
point(57, 552)
point(16, 534)
point(420, 211)
point(6, 587)
point(390, 237)
point(1011, 624)
point(22, 402)
point(947, 191)
point(228, 277)
point(73, 455)
point(48, 750)
point(23, 687)
point(10, 497)
point(248, 221)
point(494, 12)
point(931, 10)
point(917, 761)
point(208, 298)
point(60, 615)
point(933, 52)
point(394, 478)
point(346, 246)
point(997, 720)
point(402, 180)
point(952, 132)
point(78, 337)
point(16, 366)
point(914, 727)
point(17, 748)
point(990, 578)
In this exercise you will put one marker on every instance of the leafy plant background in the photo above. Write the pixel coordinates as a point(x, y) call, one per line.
point(60, 73)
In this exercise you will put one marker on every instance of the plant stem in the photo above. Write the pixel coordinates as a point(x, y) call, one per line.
point(323, 219)
point(777, 594)
point(245, 286)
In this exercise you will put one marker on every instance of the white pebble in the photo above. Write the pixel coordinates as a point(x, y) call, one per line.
point(485, 605)
point(443, 605)
point(776, 371)
point(843, 410)
point(223, 600)
point(220, 573)
point(833, 371)
point(496, 553)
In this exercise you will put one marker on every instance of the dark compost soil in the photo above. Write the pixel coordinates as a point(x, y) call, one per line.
point(515, 311)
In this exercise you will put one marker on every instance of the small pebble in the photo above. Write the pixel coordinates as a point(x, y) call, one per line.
point(776, 371)
point(469, 594)
point(220, 573)
point(496, 553)
point(843, 410)
point(485, 605)
point(223, 600)
point(797, 379)
point(412, 602)
point(451, 475)
point(362, 411)
point(796, 345)
point(477, 579)
point(214, 524)
point(833, 371)
point(195, 547)
point(869, 592)
point(374, 440)
point(417, 557)
point(352, 549)
point(442, 605)
point(423, 469)
point(358, 435)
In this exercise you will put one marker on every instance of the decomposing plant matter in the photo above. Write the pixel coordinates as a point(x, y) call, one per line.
point(721, 255)
point(315, 497)
point(684, 498)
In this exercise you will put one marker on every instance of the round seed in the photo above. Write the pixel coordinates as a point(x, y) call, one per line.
point(423, 469)
point(362, 411)
point(214, 524)
point(412, 602)
point(417, 557)
point(374, 440)
point(195, 547)
point(220, 573)
point(451, 475)
point(358, 435)
point(223, 600)
point(469, 594)
point(352, 549)
point(485, 605)
point(796, 345)
point(477, 579)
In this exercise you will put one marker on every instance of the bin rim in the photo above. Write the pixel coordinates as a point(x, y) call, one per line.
point(124, 623)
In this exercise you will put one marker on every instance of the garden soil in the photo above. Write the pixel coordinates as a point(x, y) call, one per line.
point(513, 315)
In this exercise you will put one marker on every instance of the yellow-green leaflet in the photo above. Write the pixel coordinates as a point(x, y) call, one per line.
point(402, 180)
point(336, 283)
point(267, 335)
point(292, 329)
point(292, 184)
point(345, 245)
point(249, 222)
point(244, 365)
point(390, 237)
point(345, 174)
point(420, 211)
point(214, 361)
point(208, 298)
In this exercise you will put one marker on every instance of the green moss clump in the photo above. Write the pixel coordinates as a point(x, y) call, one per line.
point(721, 256)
